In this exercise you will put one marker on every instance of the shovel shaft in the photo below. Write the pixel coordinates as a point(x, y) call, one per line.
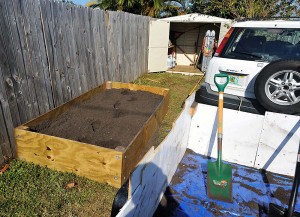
point(220, 126)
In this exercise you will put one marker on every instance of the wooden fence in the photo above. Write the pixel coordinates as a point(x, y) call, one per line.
point(51, 52)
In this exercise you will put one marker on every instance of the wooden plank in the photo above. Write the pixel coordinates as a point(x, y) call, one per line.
point(27, 85)
point(134, 47)
point(97, 163)
point(74, 50)
point(146, 38)
point(5, 148)
point(118, 33)
point(2, 160)
point(51, 44)
point(7, 63)
point(139, 45)
point(7, 124)
point(71, 61)
point(126, 44)
point(60, 51)
point(104, 45)
point(147, 43)
point(109, 17)
point(112, 32)
point(33, 46)
point(41, 52)
point(90, 51)
point(95, 43)
point(85, 50)
point(17, 69)
point(79, 35)
point(65, 54)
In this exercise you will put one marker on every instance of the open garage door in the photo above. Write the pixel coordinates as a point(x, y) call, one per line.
point(158, 45)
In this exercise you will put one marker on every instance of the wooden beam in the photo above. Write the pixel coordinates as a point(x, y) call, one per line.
point(184, 53)
point(96, 163)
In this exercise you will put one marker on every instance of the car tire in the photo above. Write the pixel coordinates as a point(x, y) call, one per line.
point(277, 87)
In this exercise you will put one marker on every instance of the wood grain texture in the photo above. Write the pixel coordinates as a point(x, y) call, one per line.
point(5, 150)
point(97, 163)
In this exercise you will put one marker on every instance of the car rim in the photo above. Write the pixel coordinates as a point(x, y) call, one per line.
point(283, 87)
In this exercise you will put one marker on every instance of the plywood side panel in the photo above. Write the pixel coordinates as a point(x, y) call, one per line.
point(278, 146)
point(96, 163)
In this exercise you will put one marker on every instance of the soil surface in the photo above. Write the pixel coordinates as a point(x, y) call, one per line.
point(109, 119)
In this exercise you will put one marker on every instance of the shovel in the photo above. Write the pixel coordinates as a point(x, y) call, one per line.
point(278, 211)
point(219, 174)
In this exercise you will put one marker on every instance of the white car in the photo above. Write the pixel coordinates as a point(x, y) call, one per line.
point(262, 59)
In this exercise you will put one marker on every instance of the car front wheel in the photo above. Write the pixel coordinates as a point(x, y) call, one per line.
point(277, 87)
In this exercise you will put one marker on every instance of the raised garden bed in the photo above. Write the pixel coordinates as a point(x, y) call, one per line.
point(101, 134)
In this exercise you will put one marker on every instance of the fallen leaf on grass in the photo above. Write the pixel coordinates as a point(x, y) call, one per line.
point(71, 185)
point(4, 169)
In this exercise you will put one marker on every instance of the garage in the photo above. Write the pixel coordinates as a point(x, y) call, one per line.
point(186, 36)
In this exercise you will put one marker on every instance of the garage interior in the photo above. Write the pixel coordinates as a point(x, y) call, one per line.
point(186, 37)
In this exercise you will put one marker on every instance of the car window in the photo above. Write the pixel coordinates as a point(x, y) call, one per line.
point(263, 44)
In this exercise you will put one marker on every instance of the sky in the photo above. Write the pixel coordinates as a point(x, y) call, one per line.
point(80, 2)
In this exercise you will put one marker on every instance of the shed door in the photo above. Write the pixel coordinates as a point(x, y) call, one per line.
point(158, 45)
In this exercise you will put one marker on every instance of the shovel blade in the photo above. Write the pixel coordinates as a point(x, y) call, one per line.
point(219, 181)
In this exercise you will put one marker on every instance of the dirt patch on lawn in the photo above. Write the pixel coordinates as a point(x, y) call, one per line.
point(109, 119)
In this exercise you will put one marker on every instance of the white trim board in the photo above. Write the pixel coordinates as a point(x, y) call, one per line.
point(269, 142)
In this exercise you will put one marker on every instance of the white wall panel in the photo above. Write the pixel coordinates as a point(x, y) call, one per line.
point(278, 146)
point(241, 133)
point(158, 45)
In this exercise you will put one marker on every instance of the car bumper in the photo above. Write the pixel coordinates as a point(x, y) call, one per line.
point(207, 96)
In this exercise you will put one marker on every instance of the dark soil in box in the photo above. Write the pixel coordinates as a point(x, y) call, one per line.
point(109, 119)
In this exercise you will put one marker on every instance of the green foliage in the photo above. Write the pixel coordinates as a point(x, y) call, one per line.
point(30, 190)
point(152, 8)
point(67, 1)
point(235, 9)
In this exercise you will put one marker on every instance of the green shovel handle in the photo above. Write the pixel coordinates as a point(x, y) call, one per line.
point(221, 87)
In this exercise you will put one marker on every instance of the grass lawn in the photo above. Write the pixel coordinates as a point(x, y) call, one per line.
point(31, 190)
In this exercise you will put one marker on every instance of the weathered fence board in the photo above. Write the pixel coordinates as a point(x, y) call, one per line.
point(51, 52)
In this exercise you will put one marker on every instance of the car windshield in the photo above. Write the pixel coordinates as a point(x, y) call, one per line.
point(261, 44)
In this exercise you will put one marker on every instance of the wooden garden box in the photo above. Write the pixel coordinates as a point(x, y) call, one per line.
point(94, 162)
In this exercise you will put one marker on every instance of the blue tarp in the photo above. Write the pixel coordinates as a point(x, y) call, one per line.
point(253, 191)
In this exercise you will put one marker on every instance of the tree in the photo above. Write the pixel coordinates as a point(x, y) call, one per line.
point(235, 9)
point(152, 8)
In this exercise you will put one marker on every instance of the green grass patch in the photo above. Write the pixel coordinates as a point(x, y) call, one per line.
point(30, 190)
